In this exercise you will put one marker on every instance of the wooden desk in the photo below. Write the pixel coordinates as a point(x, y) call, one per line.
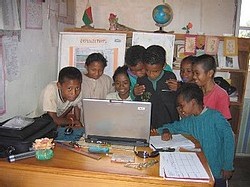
point(67, 168)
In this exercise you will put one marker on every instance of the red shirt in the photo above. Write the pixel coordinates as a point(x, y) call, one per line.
point(218, 99)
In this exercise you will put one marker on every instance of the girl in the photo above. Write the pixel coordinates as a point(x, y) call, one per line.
point(186, 73)
point(95, 83)
point(122, 85)
point(215, 97)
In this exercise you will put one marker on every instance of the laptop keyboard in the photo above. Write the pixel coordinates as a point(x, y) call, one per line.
point(116, 141)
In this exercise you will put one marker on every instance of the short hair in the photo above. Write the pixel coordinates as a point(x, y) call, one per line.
point(190, 59)
point(191, 91)
point(69, 73)
point(120, 70)
point(155, 54)
point(96, 57)
point(134, 55)
point(207, 61)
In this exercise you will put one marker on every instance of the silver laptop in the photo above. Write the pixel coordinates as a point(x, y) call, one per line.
point(117, 122)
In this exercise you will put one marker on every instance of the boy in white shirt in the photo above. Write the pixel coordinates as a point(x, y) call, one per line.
point(58, 98)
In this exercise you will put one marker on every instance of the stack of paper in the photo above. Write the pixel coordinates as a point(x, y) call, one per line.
point(176, 142)
point(182, 166)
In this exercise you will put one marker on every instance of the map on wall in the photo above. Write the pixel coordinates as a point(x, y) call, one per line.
point(164, 40)
point(74, 49)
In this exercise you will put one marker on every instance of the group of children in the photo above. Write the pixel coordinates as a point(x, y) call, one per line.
point(195, 105)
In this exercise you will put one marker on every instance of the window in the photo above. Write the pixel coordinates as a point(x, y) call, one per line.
point(243, 20)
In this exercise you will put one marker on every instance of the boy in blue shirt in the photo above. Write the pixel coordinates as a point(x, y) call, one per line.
point(208, 126)
point(156, 89)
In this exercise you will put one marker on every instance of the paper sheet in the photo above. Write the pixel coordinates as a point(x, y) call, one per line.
point(182, 165)
point(177, 141)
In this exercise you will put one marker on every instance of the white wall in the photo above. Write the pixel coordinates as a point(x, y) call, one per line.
point(38, 66)
point(213, 17)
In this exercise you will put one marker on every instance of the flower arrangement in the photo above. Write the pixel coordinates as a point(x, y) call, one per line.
point(113, 20)
point(43, 143)
point(188, 27)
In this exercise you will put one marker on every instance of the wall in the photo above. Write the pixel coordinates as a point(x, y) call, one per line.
point(38, 66)
point(214, 17)
point(39, 58)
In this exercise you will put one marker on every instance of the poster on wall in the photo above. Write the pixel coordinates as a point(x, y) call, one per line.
point(2, 81)
point(164, 40)
point(74, 48)
point(33, 14)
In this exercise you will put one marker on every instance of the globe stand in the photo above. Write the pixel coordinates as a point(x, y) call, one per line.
point(160, 30)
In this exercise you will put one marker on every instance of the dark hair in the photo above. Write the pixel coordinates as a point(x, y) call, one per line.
point(190, 59)
point(191, 91)
point(155, 54)
point(134, 55)
point(96, 57)
point(207, 61)
point(69, 73)
point(120, 70)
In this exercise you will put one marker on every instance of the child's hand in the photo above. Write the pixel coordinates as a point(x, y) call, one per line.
point(77, 123)
point(153, 132)
point(172, 84)
point(139, 89)
point(166, 136)
point(227, 174)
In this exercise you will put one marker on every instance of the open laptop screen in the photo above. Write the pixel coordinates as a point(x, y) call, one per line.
point(117, 121)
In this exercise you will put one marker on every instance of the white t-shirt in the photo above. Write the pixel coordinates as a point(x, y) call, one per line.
point(115, 96)
point(97, 89)
point(50, 101)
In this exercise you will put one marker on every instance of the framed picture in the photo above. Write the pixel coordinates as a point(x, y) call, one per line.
point(230, 46)
point(190, 45)
point(211, 45)
point(180, 51)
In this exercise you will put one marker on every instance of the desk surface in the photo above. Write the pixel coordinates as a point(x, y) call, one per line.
point(70, 168)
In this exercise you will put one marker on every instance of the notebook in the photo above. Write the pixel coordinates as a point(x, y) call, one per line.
point(117, 122)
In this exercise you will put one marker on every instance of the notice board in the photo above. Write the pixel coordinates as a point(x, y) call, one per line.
point(74, 48)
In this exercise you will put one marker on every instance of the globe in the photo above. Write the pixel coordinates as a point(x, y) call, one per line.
point(162, 15)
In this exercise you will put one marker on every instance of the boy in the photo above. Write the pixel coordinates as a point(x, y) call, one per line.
point(156, 89)
point(95, 83)
point(215, 97)
point(59, 98)
point(134, 61)
point(208, 126)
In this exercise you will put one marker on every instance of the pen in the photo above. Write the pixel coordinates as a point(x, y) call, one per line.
point(153, 147)
point(13, 158)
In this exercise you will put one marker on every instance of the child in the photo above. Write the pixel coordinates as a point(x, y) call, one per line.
point(186, 73)
point(59, 98)
point(134, 61)
point(208, 126)
point(95, 83)
point(215, 97)
point(156, 89)
point(122, 85)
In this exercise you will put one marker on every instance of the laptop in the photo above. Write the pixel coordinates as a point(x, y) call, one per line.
point(117, 122)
